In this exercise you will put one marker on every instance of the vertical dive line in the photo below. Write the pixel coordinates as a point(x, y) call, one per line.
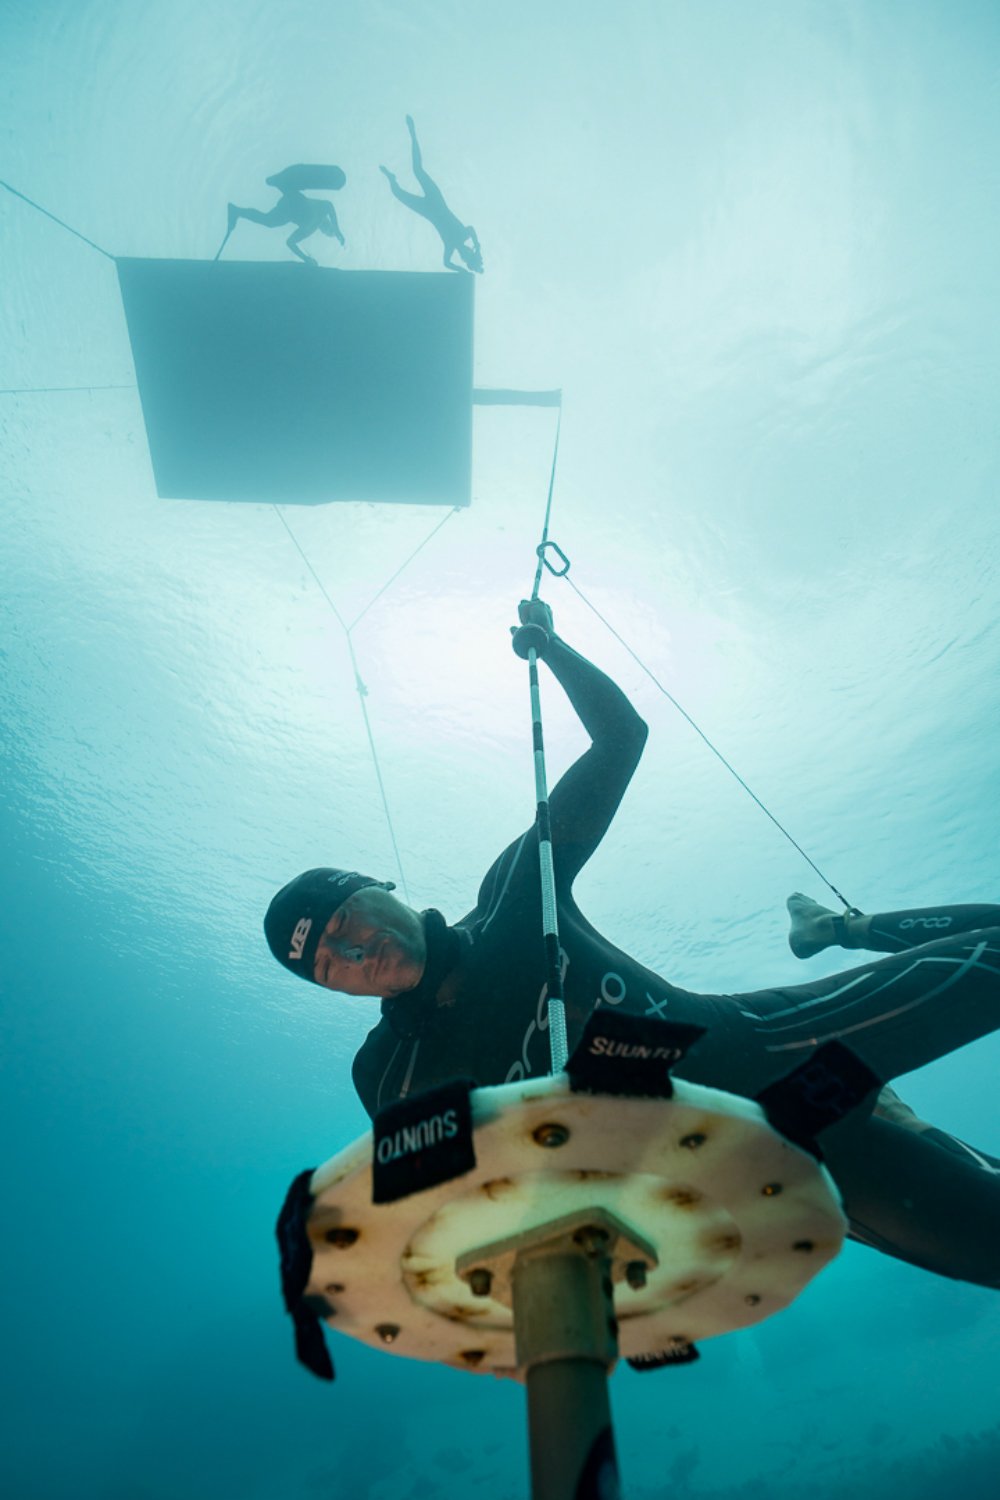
point(558, 1048)
point(548, 510)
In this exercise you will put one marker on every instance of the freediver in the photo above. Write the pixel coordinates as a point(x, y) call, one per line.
point(293, 207)
point(467, 1000)
point(456, 237)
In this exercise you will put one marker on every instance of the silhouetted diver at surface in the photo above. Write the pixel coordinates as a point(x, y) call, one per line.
point(293, 207)
point(455, 236)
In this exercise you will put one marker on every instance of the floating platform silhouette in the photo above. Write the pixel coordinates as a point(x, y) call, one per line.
point(267, 381)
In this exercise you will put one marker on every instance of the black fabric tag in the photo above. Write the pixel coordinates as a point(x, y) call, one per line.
point(818, 1093)
point(677, 1354)
point(296, 1264)
point(422, 1141)
point(622, 1054)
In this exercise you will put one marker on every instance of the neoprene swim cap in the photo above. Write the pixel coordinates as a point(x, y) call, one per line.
point(296, 918)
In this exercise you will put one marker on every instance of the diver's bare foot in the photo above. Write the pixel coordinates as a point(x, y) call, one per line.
point(812, 927)
point(391, 175)
point(410, 125)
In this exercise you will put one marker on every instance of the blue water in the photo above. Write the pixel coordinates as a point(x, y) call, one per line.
point(756, 246)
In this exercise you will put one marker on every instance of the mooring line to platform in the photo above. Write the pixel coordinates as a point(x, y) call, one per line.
point(56, 220)
point(359, 683)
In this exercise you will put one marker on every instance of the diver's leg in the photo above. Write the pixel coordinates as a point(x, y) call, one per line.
point(415, 152)
point(815, 927)
point(921, 1196)
point(293, 241)
point(430, 187)
point(332, 222)
point(897, 1013)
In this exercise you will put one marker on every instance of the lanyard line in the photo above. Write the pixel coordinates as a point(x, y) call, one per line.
point(703, 736)
point(558, 1048)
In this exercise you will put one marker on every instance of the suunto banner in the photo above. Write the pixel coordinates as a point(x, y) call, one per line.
point(620, 1054)
point(422, 1141)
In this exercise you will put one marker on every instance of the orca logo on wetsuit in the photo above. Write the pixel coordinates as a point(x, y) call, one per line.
point(613, 992)
point(653, 1008)
point(931, 923)
point(522, 1067)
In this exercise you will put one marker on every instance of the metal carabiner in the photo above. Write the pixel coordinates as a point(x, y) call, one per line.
point(541, 550)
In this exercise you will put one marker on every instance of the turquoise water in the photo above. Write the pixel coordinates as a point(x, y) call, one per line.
point(756, 246)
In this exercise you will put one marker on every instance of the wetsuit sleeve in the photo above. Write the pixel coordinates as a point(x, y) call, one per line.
point(586, 798)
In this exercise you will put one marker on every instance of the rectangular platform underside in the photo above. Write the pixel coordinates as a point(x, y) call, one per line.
point(261, 381)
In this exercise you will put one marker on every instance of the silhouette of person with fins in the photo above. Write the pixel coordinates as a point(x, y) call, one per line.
point(455, 236)
point(293, 207)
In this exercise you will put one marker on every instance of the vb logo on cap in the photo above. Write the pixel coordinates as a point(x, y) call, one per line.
point(301, 932)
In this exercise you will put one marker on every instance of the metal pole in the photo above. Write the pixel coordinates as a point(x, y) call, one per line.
point(566, 1338)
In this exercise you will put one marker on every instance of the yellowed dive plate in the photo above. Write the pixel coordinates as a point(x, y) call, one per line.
point(739, 1219)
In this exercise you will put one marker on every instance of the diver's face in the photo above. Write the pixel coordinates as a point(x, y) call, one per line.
point(372, 945)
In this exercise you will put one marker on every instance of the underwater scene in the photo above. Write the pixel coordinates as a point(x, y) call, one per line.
point(380, 381)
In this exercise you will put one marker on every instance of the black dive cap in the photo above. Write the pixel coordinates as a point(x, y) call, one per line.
point(297, 916)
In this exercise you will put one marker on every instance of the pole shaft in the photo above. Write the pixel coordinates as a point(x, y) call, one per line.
point(566, 1341)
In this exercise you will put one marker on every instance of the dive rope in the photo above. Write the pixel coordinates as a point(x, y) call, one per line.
point(523, 637)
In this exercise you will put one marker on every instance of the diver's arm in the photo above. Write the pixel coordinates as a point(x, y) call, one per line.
point(586, 798)
point(335, 229)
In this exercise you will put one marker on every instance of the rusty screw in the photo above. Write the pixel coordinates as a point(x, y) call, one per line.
point(591, 1238)
point(635, 1274)
point(551, 1135)
point(388, 1332)
point(481, 1281)
point(694, 1140)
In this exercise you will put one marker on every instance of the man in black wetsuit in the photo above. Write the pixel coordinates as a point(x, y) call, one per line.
point(469, 999)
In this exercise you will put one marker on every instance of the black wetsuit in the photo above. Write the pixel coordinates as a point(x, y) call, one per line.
point(480, 1012)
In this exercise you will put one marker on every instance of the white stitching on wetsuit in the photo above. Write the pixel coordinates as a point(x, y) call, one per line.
point(405, 1089)
point(498, 899)
point(961, 968)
